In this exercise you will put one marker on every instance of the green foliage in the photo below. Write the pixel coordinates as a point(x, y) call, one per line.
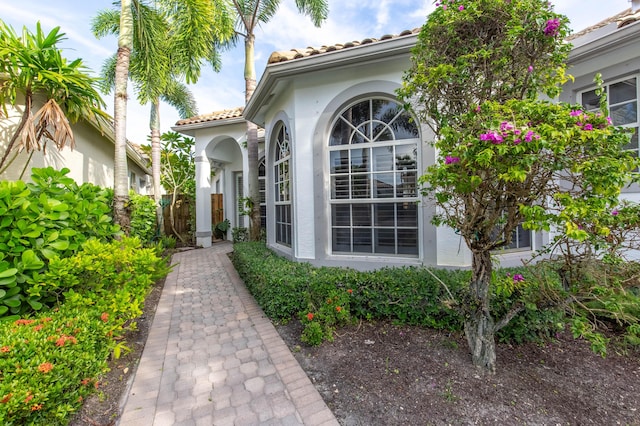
point(469, 52)
point(51, 361)
point(143, 217)
point(240, 234)
point(506, 157)
point(32, 65)
point(49, 218)
point(533, 295)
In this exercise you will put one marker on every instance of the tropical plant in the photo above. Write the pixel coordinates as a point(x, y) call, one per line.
point(251, 13)
point(33, 70)
point(171, 40)
point(120, 172)
point(178, 171)
point(49, 218)
point(506, 157)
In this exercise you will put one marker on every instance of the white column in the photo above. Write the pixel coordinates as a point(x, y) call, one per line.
point(203, 202)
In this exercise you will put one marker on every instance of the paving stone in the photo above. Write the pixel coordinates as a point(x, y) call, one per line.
point(213, 358)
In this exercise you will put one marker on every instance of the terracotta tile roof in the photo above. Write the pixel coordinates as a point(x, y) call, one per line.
point(212, 116)
point(623, 18)
point(289, 55)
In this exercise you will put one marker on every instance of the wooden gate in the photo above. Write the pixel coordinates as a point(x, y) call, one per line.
point(217, 209)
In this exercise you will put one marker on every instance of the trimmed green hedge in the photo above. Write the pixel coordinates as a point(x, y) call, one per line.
point(326, 297)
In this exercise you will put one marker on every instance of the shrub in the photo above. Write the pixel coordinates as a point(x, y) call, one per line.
point(51, 361)
point(143, 218)
point(427, 297)
point(51, 217)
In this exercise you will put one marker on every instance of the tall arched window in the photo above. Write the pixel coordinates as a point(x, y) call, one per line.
point(373, 157)
point(282, 194)
point(262, 173)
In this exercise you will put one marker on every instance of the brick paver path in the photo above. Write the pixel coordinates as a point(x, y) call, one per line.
point(212, 358)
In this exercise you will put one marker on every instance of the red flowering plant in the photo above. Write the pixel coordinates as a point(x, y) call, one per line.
point(328, 307)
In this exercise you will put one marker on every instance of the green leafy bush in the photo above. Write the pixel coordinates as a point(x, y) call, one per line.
point(143, 218)
point(51, 217)
point(427, 297)
point(50, 362)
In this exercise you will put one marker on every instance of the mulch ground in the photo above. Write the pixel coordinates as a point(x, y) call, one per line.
point(381, 374)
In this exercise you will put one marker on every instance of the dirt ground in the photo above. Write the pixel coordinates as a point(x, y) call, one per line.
point(381, 374)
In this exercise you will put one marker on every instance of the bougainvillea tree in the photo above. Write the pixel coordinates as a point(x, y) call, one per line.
point(506, 157)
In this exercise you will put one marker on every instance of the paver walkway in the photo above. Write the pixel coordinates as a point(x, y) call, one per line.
point(213, 358)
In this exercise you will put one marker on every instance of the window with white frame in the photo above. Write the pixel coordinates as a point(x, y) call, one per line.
point(622, 104)
point(373, 160)
point(262, 172)
point(282, 194)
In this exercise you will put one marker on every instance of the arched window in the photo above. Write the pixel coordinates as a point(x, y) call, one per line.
point(282, 194)
point(373, 157)
point(262, 173)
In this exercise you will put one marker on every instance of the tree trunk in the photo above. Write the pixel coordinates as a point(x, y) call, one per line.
point(121, 173)
point(156, 148)
point(252, 140)
point(28, 101)
point(479, 326)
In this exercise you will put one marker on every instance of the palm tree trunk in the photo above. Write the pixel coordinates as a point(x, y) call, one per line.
point(28, 101)
point(479, 326)
point(252, 139)
point(155, 160)
point(121, 190)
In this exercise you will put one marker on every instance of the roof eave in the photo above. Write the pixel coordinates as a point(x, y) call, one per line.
point(617, 37)
point(336, 59)
point(189, 129)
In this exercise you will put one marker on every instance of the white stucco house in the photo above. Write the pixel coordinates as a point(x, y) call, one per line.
point(341, 157)
point(91, 160)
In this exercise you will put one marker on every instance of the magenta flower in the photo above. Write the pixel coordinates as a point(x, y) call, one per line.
point(575, 113)
point(517, 141)
point(505, 126)
point(609, 120)
point(518, 278)
point(451, 160)
point(551, 28)
point(614, 212)
point(529, 136)
point(494, 137)
point(530, 69)
point(461, 8)
point(587, 127)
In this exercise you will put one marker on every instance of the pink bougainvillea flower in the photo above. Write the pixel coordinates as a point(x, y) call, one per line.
point(609, 121)
point(529, 136)
point(518, 278)
point(506, 126)
point(451, 160)
point(494, 137)
point(530, 69)
point(460, 8)
point(615, 212)
point(587, 127)
point(551, 28)
point(575, 113)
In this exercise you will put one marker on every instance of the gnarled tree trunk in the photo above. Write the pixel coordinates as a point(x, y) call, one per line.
point(479, 326)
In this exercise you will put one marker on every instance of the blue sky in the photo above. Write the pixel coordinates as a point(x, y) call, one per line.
point(348, 20)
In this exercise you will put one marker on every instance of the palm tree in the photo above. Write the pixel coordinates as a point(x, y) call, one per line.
point(170, 42)
point(31, 65)
point(120, 187)
point(250, 13)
